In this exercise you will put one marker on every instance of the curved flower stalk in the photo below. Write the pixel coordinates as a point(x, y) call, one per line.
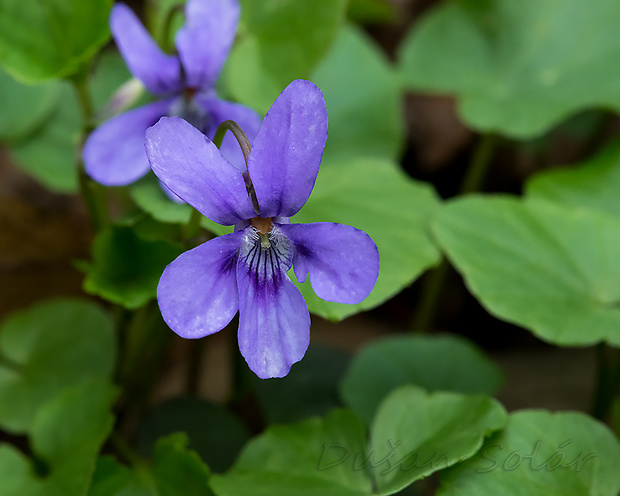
point(114, 153)
point(246, 271)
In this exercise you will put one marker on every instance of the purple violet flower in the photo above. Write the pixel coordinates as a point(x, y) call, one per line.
point(246, 271)
point(114, 153)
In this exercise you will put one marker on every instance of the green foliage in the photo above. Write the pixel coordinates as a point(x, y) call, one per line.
point(24, 107)
point(66, 436)
point(126, 267)
point(364, 99)
point(549, 268)
point(174, 471)
point(50, 154)
point(446, 362)
point(418, 433)
point(375, 196)
point(45, 349)
point(279, 40)
point(296, 459)
point(594, 183)
point(330, 455)
point(51, 39)
point(541, 453)
point(517, 68)
point(215, 434)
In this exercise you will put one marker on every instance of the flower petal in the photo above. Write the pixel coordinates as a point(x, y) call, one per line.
point(160, 73)
point(205, 40)
point(194, 169)
point(343, 262)
point(114, 152)
point(197, 293)
point(287, 151)
point(220, 111)
point(274, 323)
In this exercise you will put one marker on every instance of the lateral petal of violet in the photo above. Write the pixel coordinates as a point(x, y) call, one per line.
point(197, 293)
point(274, 323)
point(343, 262)
point(114, 152)
point(220, 111)
point(160, 73)
point(192, 167)
point(204, 41)
point(287, 151)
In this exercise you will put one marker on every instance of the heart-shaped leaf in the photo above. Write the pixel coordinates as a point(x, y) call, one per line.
point(47, 348)
point(541, 453)
point(517, 68)
point(448, 363)
point(546, 267)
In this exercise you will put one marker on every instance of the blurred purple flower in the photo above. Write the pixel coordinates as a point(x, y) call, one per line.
point(246, 271)
point(114, 153)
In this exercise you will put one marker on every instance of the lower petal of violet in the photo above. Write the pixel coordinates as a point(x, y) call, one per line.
point(274, 323)
point(343, 262)
point(197, 293)
point(114, 152)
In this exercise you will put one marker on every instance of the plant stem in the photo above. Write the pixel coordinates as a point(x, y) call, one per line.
point(607, 380)
point(479, 165)
point(433, 287)
point(92, 193)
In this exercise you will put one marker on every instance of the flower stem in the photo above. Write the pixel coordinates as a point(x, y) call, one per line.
point(433, 287)
point(239, 134)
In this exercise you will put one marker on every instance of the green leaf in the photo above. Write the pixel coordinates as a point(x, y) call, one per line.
point(377, 197)
point(416, 433)
point(280, 40)
point(364, 99)
point(24, 107)
point(371, 11)
point(309, 389)
point(594, 183)
point(113, 479)
point(147, 193)
point(67, 434)
point(50, 154)
point(301, 459)
point(174, 471)
point(541, 453)
point(126, 268)
point(178, 471)
point(517, 68)
point(46, 348)
point(448, 363)
point(546, 267)
point(215, 434)
point(55, 38)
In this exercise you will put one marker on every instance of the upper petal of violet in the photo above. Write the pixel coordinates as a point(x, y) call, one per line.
point(204, 41)
point(160, 73)
point(343, 262)
point(197, 293)
point(274, 323)
point(192, 167)
point(114, 152)
point(287, 151)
